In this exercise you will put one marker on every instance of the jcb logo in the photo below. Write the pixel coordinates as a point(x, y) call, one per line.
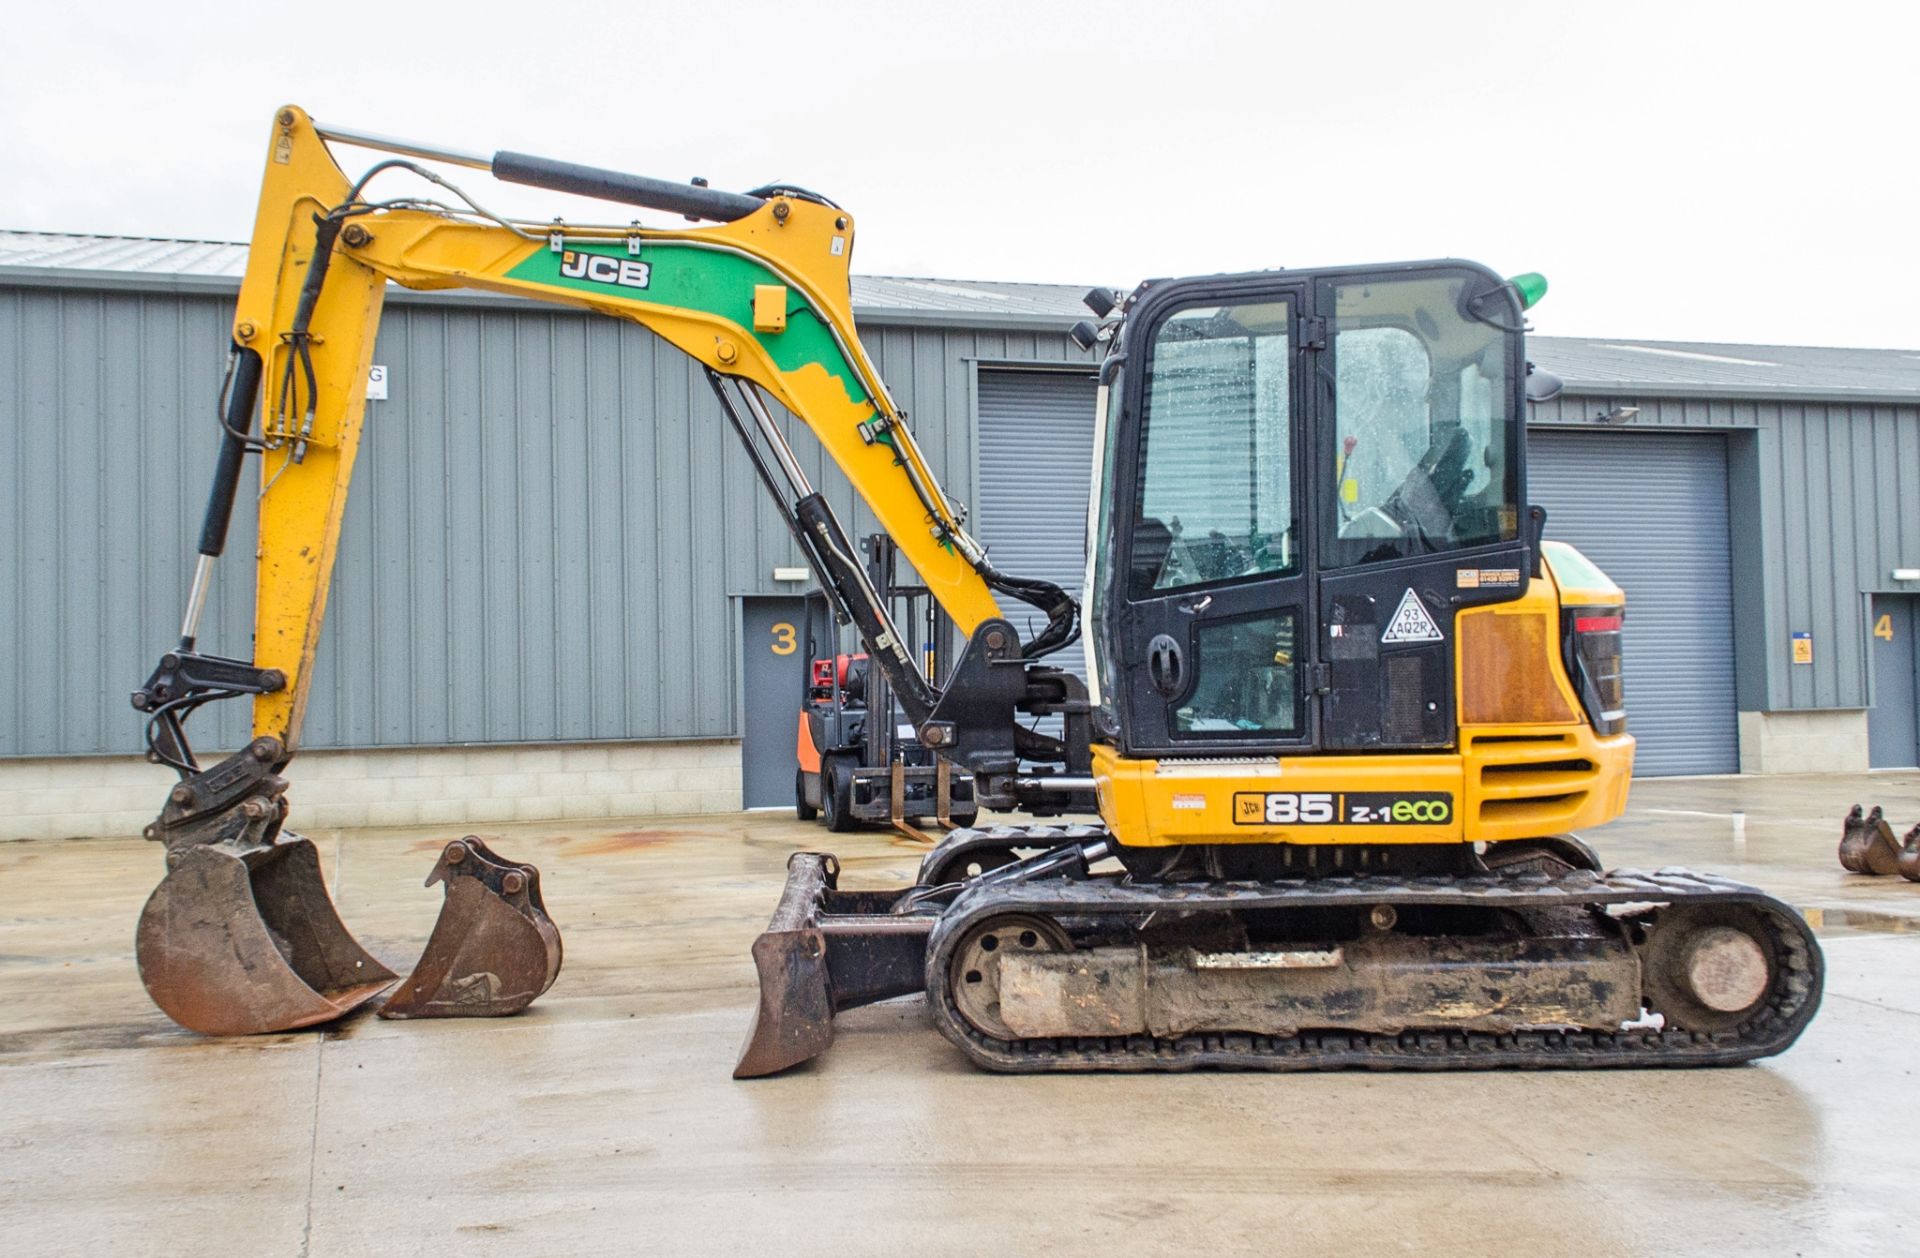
point(626, 272)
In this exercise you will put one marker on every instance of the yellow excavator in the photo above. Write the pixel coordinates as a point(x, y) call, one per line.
point(1344, 707)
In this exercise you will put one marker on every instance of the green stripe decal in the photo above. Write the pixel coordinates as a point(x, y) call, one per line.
point(682, 277)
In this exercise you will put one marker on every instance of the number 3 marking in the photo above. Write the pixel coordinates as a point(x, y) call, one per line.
point(784, 641)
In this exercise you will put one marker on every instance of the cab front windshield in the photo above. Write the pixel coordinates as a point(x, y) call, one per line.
point(1422, 417)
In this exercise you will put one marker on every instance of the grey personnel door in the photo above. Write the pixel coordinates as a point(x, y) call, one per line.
point(772, 683)
point(1893, 723)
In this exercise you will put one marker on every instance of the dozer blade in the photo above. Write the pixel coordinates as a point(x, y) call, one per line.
point(493, 949)
point(240, 942)
point(1867, 845)
point(826, 950)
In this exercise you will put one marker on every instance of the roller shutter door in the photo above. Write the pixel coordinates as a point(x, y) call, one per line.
point(1036, 462)
point(1651, 509)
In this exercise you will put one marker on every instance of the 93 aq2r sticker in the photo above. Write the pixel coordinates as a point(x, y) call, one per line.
point(1346, 808)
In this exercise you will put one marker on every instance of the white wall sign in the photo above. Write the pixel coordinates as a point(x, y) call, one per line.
point(376, 383)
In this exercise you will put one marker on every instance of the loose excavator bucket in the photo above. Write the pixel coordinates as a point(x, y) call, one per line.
point(1909, 863)
point(240, 940)
point(824, 951)
point(493, 950)
point(1867, 845)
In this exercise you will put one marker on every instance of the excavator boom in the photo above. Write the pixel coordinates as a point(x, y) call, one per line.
point(759, 295)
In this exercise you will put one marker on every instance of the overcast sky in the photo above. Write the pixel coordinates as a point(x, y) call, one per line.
point(1684, 171)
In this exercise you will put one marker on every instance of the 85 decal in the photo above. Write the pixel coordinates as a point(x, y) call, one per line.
point(1346, 808)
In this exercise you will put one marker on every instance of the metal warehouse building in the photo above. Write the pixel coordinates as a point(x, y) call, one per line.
point(553, 566)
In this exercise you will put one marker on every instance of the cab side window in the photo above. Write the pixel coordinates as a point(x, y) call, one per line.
point(1215, 499)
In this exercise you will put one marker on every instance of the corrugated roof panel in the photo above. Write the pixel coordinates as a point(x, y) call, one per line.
point(132, 254)
point(1605, 364)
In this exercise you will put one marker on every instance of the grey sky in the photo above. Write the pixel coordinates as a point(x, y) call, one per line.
point(1685, 171)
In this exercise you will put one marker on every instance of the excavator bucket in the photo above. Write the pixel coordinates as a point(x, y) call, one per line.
point(1909, 862)
point(240, 940)
point(1867, 845)
point(826, 950)
point(493, 950)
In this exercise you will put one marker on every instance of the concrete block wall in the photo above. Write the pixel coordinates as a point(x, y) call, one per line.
point(116, 796)
point(1803, 742)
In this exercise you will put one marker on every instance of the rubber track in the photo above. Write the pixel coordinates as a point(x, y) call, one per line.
point(1790, 1006)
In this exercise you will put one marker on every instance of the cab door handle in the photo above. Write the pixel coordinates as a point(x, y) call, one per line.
point(1166, 665)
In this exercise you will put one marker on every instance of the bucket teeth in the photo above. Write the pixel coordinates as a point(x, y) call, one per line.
point(1867, 845)
point(493, 950)
point(242, 941)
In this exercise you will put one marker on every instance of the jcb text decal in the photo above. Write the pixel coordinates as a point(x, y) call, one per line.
point(601, 269)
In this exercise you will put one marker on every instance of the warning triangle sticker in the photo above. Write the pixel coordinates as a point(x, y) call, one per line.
point(1412, 623)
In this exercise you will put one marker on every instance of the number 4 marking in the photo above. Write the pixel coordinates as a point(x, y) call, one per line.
point(1883, 627)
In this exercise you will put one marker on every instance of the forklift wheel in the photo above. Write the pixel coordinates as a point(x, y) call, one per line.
point(836, 795)
point(801, 808)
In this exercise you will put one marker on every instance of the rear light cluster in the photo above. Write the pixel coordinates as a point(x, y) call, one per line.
point(1592, 639)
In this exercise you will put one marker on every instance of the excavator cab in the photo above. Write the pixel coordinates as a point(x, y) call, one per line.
point(1304, 475)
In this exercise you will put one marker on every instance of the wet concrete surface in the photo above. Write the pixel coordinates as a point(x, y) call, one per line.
point(604, 1121)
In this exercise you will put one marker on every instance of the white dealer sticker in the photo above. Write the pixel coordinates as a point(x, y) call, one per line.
point(1412, 622)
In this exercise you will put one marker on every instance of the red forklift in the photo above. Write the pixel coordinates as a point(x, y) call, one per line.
point(860, 764)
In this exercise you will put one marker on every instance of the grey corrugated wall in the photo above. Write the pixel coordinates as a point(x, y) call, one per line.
point(1838, 509)
point(1824, 506)
point(549, 516)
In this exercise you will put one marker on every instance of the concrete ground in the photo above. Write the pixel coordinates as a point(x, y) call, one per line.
point(603, 1120)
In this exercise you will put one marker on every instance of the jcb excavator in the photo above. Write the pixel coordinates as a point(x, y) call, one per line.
point(1345, 708)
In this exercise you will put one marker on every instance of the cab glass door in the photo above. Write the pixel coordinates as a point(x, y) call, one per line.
point(1214, 581)
point(1419, 479)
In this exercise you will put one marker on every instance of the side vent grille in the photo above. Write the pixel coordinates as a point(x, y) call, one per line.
point(1532, 782)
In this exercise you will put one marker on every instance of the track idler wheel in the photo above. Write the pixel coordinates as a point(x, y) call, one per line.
point(1867, 845)
point(493, 950)
point(245, 940)
point(1709, 968)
